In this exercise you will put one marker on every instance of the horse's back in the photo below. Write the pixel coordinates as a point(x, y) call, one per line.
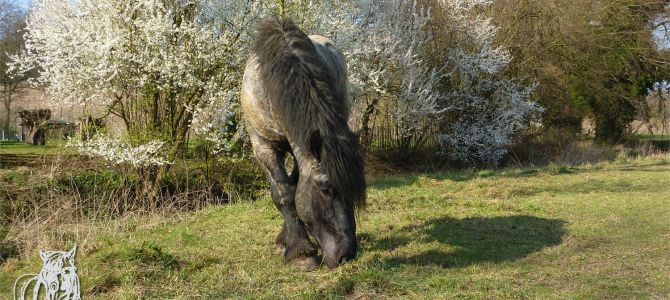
point(257, 108)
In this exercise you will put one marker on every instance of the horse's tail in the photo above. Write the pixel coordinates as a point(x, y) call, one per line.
point(24, 287)
point(303, 93)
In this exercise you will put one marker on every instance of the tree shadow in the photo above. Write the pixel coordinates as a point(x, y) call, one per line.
point(387, 182)
point(614, 186)
point(11, 161)
point(474, 240)
point(647, 167)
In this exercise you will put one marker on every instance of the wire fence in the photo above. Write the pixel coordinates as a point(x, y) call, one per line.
point(390, 139)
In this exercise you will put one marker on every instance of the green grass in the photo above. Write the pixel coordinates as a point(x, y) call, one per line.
point(589, 232)
point(650, 137)
point(52, 147)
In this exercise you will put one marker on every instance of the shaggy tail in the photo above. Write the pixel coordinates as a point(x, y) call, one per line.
point(24, 287)
point(303, 93)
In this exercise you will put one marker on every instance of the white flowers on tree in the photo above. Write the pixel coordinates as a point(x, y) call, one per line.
point(167, 68)
point(388, 62)
point(486, 108)
point(216, 118)
point(119, 152)
point(384, 42)
point(153, 64)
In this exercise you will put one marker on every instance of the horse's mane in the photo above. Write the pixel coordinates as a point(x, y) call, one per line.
point(303, 94)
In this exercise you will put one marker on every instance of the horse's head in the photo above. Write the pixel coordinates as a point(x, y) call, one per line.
point(322, 206)
point(52, 270)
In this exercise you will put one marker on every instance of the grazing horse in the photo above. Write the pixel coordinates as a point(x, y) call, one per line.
point(295, 100)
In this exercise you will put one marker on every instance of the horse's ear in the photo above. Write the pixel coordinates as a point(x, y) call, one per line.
point(70, 254)
point(44, 256)
point(315, 145)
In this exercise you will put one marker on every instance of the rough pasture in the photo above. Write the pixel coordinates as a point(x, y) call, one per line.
point(593, 231)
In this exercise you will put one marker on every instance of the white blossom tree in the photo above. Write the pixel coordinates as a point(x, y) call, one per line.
point(478, 108)
point(382, 42)
point(388, 63)
point(485, 108)
point(170, 68)
point(156, 65)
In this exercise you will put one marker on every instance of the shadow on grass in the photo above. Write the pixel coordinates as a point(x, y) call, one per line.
point(474, 240)
point(613, 185)
point(647, 167)
point(9, 161)
point(469, 241)
point(384, 183)
point(387, 182)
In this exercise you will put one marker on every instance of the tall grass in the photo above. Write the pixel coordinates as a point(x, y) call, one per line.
point(40, 196)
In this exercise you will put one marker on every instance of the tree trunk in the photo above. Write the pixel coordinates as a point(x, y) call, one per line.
point(609, 129)
point(7, 101)
point(36, 136)
point(36, 121)
point(365, 122)
point(612, 117)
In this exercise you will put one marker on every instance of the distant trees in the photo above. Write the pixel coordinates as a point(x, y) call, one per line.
point(659, 108)
point(590, 58)
point(12, 23)
point(616, 63)
point(36, 121)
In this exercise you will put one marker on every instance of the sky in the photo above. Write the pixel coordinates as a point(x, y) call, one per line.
point(22, 3)
point(662, 33)
point(662, 39)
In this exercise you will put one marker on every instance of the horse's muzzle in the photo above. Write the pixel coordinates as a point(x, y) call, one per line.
point(345, 252)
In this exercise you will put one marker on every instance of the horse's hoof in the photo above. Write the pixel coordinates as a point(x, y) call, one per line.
point(280, 249)
point(306, 264)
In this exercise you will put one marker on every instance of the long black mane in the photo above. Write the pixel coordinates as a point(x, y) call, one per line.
point(303, 94)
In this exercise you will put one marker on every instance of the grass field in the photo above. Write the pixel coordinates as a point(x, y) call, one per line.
point(589, 232)
point(650, 137)
point(52, 147)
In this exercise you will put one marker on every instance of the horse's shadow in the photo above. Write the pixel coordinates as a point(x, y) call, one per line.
point(471, 240)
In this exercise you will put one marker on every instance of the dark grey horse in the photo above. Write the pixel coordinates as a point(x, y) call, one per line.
point(295, 100)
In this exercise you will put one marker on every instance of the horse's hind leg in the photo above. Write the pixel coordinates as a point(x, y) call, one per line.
point(293, 237)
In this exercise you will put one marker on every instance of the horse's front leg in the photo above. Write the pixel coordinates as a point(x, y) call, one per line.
point(293, 239)
point(280, 241)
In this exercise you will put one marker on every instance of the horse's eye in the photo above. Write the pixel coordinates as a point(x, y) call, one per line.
point(327, 192)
